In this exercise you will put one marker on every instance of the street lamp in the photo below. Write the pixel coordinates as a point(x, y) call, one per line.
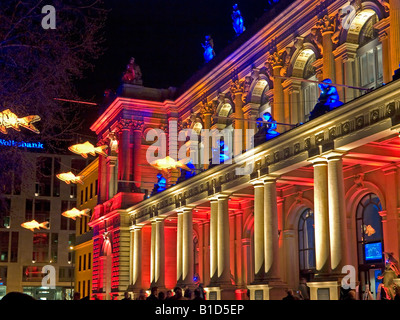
point(71, 262)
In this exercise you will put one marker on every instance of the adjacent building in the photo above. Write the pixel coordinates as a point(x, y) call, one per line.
point(306, 206)
point(37, 194)
point(83, 249)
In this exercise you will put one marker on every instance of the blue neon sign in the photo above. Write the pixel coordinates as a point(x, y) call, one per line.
point(21, 144)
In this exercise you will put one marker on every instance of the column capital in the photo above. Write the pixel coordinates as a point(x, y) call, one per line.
point(269, 178)
point(334, 155)
point(257, 183)
point(347, 51)
point(184, 209)
point(318, 160)
point(136, 227)
point(327, 24)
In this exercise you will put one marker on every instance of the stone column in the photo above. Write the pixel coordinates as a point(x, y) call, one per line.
point(278, 112)
point(382, 26)
point(259, 261)
point(111, 176)
point(137, 258)
point(153, 253)
point(179, 243)
point(345, 56)
point(391, 220)
point(291, 258)
point(136, 172)
point(237, 90)
point(213, 239)
point(207, 110)
point(321, 215)
point(337, 213)
point(250, 113)
point(224, 272)
point(187, 247)
point(271, 229)
point(293, 112)
point(159, 259)
point(124, 156)
point(395, 34)
point(102, 179)
point(326, 25)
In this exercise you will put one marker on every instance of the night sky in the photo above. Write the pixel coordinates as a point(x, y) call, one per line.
point(164, 37)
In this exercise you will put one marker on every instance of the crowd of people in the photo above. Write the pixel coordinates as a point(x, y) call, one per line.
point(177, 294)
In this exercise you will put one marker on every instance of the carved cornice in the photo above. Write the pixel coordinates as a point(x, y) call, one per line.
point(355, 123)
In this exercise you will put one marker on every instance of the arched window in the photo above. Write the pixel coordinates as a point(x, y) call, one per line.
point(370, 246)
point(306, 243)
point(310, 90)
point(369, 53)
point(369, 230)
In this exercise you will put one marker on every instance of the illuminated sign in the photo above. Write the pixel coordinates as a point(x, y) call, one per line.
point(373, 251)
point(21, 144)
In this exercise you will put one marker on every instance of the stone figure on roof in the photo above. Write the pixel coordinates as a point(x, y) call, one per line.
point(237, 20)
point(208, 47)
point(327, 101)
point(132, 74)
point(266, 129)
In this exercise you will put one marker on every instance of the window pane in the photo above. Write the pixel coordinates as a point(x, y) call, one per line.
point(371, 66)
point(4, 241)
point(56, 181)
point(29, 209)
point(44, 175)
point(379, 62)
point(5, 205)
point(364, 70)
point(14, 247)
point(54, 247)
point(40, 247)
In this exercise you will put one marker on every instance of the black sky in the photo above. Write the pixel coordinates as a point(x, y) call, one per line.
point(164, 37)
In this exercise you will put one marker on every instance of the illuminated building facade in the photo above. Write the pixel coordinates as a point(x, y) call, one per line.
point(83, 249)
point(37, 194)
point(321, 196)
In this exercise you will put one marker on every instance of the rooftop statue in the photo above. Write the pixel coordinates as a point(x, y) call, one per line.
point(132, 74)
point(327, 101)
point(266, 131)
point(208, 47)
point(161, 184)
point(391, 272)
point(237, 20)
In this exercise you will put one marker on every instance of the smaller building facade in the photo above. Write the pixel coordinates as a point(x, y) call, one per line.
point(26, 255)
point(83, 250)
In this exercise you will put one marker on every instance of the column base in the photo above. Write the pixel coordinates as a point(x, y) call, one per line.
point(221, 292)
point(325, 287)
point(273, 289)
